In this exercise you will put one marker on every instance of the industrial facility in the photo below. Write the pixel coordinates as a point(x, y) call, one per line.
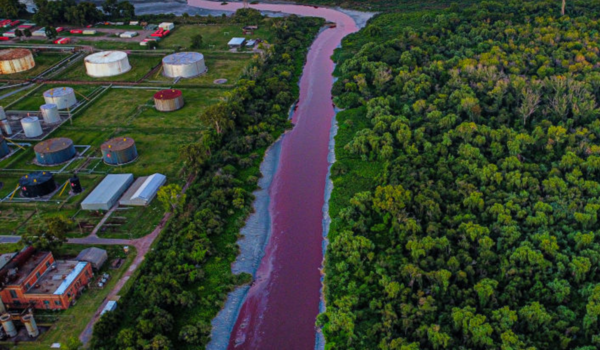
point(50, 113)
point(37, 184)
point(95, 256)
point(31, 127)
point(168, 100)
point(54, 151)
point(143, 190)
point(4, 150)
point(108, 192)
point(184, 64)
point(62, 97)
point(33, 279)
point(15, 61)
point(107, 64)
point(120, 150)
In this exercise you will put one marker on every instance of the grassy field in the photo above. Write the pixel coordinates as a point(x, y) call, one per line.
point(43, 62)
point(71, 322)
point(132, 222)
point(140, 66)
point(35, 100)
point(215, 38)
point(222, 66)
point(112, 45)
point(5, 101)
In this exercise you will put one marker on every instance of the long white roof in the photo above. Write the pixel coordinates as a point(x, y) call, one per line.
point(149, 188)
point(108, 188)
point(70, 278)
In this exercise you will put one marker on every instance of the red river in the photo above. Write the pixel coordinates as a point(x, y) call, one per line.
point(281, 307)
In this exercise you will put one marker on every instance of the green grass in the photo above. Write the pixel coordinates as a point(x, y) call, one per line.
point(217, 36)
point(35, 100)
point(224, 66)
point(5, 101)
point(140, 66)
point(43, 62)
point(112, 45)
point(71, 322)
point(133, 222)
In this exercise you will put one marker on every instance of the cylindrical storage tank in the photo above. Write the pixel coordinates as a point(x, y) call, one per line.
point(50, 113)
point(107, 64)
point(119, 150)
point(6, 127)
point(32, 126)
point(15, 61)
point(62, 97)
point(183, 64)
point(8, 325)
point(168, 100)
point(54, 151)
point(37, 184)
point(2, 113)
point(32, 328)
point(75, 184)
point(4, 150)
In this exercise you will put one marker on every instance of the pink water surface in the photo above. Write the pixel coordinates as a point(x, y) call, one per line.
point(281, 307)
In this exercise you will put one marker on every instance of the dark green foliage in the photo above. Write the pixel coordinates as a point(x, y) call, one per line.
point(12, 8)
point(186, 277)
point(477, 229)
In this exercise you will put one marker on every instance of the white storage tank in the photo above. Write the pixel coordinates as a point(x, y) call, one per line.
point(62, 97)
point(183, 64)
point(32, 127)
point(50, 113)
point(30, 325)
point(107, 64)
point(15, 61)
point(8, 325)
point(2, 113)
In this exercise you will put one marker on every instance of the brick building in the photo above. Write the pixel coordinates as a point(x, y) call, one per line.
point(34, 279)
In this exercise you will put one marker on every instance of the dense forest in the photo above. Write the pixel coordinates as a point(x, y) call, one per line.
point(466, 201)
point(389, 5)
point(185, 279)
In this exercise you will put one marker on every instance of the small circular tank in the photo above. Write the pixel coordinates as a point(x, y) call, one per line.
point(31, 126)
point(184, 64)
point(4, 150)
point(168, 100)
point(15, 61)
point(62, 97)
point(54, 151)
point(31, 326)
point(119, 150)
point(37, 184)
point(8, 325)
point(107, 64)
point(50, 113)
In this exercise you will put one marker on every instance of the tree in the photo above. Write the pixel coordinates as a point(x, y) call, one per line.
point(27, 33)
point(111, 8)
point(18, 33)
point(171, 197)
point(152, 45)
point(51, 234)
point(82, 14)
point(73, 344)
point(197, 41)
point(217, 116)
point(126, 10)
point(11, 8)
point(51, 32)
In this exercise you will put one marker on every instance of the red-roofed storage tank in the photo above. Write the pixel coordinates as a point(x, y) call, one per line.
point(168, 100)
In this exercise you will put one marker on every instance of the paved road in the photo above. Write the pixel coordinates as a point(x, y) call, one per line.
point(9, 239)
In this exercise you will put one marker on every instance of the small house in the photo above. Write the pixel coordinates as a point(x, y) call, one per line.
point(95, 256)
point(235, 43)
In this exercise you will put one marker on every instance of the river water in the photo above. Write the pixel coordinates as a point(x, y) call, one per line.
point(283, 240)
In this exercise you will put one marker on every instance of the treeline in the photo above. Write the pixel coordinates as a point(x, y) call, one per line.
point(390, 5)
point(54, 12)
point(185, 279)
point(466, 192)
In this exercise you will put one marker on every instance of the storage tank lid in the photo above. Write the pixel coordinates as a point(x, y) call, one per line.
point(53, 145)
point(106, 57)
point(49, 106)
point(59, 92)
point(28, 120)
point(118, 144)
point(168, 94)
point(183, 58)
point(35, 178)
point(11, 54)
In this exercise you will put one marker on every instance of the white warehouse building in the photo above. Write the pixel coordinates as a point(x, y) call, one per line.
point(184, 64)
point(143, 190)
point(108, 192)
point(107, 64)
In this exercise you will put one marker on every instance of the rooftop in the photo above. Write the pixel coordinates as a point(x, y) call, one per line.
point(53, 145)
point(57, 279)
point(27, 268)
point(183, 58)
point(118, 143)
point(236, 41)
point(106, 57)
point(107, 189)
point(59, 91)
point(5, 258)
point(14, 53)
